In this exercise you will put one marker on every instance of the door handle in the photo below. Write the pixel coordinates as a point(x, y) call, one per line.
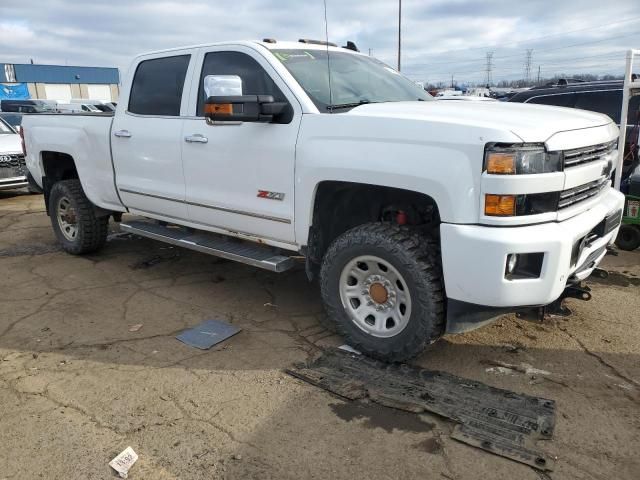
point(196, 138)
point(122, 133)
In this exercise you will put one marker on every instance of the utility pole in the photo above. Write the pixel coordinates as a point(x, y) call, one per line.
point(452, 80)
point(538, 82)
point(369, 52)
point(489, 68)
point(399, 30)
point(527, 67)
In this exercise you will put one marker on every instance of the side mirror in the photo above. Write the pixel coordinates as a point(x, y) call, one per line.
point(222, 85)
point(243, 108)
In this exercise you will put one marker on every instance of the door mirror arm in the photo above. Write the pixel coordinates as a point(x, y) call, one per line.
point(244, 108)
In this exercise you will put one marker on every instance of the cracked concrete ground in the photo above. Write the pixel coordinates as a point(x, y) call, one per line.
point(77, 387)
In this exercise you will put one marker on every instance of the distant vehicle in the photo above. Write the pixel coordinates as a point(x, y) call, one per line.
point(13, 119)
point(25, 106)
point(561, 82)
point(502, 95)
point(468, 98)
point(102, 106)
point(601, 97)
point(13, 172)
point(77, 107)
point(449, 93)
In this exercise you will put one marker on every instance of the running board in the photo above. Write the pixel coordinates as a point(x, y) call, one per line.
point(238, 251)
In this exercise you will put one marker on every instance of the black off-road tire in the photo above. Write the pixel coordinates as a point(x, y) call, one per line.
point(628, 237)
point(418, 260)
point(91, 230)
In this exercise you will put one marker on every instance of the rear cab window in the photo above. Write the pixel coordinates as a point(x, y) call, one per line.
point(157, 86)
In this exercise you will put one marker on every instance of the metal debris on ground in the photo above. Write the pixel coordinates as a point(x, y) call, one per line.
point(498, 421)
point(350, 349)
point(124, 461)
point(496, 366)
point(154, 260)
point(208, 334)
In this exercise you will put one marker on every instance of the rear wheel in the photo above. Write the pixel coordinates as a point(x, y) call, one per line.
point(382, 286)
point(628, 237)
point(74, 220)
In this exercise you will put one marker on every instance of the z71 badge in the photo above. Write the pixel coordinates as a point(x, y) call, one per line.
point(271, 195)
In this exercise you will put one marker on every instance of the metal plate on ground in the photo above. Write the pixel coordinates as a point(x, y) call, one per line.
point(499, 421)
point(207, 334)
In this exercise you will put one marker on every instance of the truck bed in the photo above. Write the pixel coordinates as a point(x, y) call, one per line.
point(85, 137)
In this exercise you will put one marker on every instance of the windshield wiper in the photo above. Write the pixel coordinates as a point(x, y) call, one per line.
point(340, 106)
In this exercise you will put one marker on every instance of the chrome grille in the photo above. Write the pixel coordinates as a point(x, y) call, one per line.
point(578, 194)
point(12, 165)
point(580, 156)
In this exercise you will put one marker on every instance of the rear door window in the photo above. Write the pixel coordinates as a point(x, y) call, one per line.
point(157, 86)
point(608, 102)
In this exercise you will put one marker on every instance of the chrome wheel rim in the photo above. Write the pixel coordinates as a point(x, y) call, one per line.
point(375, 296)
point(67, 219)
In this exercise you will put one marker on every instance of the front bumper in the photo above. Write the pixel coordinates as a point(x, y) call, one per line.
point(474, 257)
point(13, 183)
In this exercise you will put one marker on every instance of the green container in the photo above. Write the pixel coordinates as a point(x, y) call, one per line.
point(631, 213)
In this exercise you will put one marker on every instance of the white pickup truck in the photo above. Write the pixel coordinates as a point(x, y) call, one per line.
point(419, 217)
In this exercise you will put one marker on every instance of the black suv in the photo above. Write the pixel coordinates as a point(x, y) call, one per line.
point(602, 97)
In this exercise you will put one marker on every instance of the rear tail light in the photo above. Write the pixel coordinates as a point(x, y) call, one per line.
point(24, 148)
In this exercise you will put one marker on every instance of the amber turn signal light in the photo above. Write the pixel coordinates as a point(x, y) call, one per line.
point(501, 163)
point(500, 205)
point(218, 108)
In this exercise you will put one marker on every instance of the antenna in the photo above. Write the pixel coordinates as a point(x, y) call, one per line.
point(326, 37)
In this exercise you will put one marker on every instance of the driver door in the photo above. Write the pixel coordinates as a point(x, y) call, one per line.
point(239, 176)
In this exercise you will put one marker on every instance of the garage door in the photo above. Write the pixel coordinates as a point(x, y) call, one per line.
point(62, 93)
point(99, 92)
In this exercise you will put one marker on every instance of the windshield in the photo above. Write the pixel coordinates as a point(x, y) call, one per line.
point(355, 79)
point(5, 128)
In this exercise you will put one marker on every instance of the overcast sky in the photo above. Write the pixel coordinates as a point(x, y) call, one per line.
point(440, 37)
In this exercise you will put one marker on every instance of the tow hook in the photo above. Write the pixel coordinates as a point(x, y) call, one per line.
point(558, 308)
point(600, 273)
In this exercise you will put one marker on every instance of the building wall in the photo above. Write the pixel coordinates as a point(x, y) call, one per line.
point(78, 79)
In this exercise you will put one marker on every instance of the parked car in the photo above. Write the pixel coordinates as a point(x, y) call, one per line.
point(12, 165)
point(13, 119)
point(419, 217)
point(77, 107)
point(25, 106)
point(102, 106)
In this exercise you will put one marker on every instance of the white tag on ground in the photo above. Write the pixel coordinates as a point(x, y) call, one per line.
point(124, 461)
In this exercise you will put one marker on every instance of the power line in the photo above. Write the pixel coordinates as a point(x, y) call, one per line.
point(618, 54)
point(493, 69)
point(543, 50)
point(629, 20)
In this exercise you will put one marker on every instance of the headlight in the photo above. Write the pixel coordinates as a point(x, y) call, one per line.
point(521, 159)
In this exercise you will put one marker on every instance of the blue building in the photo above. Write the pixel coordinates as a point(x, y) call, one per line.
point(58, 82)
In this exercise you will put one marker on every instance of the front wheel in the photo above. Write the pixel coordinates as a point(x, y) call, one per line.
point(74, 220)
point(382, 286)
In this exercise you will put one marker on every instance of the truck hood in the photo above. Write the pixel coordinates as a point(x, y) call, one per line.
point(10, 143)
point(532, 123)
